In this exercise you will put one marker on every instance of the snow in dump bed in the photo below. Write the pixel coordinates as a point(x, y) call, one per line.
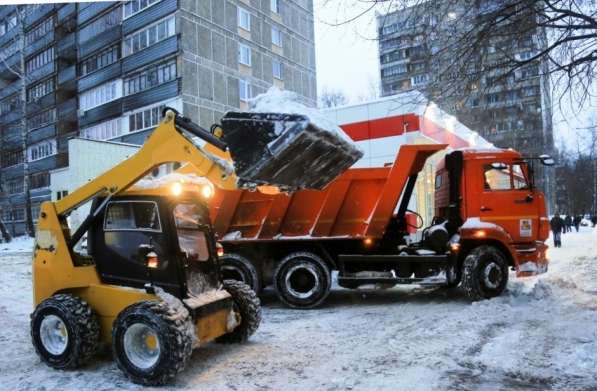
point(172, 178)
point(278, 101)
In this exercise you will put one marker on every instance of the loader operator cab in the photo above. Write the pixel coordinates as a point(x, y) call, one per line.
point(165, 240)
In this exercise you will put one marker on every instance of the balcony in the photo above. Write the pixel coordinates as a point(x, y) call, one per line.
point(11, 116)
point(8, 36)
point(67, 78)
point(155, 12)
point(10, 89)
point(67, 17)
point(11, 172)
point(106, 38)
point(40, 12)
point(153, 53)
point(100, 76)
point(13, 62)
point(87, 13)
point(40, 104)
point(109, 110)
point(67, 47)
point(42, 72)
point(153, 95)
point(67, 111)
point(45, 164)
point(40, 134)
point(39, 44)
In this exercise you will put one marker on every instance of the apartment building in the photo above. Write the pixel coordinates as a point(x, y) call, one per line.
point(105, 70)
point(513, 112)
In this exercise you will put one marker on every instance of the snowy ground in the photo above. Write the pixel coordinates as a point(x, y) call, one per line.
point(541, 334)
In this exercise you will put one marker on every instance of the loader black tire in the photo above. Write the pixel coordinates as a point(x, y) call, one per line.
point(247, 304)
point(484, 273)
point(79, 325)
point(240, 268)
point(174, 332)
point(302, 280)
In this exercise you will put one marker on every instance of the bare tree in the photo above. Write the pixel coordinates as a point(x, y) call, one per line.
point(462, 36)
point(21, 13)
point(332, 98)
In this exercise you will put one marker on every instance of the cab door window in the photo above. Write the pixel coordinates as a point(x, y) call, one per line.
point(137, 216)
point(503, 176)
point(192, 222)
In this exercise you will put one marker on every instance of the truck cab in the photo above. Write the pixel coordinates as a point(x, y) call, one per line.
point(488, 196)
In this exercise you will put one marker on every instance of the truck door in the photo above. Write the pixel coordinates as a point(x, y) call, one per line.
point(507, 200)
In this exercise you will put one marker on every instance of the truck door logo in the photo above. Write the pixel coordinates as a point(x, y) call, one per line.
point(526, 228)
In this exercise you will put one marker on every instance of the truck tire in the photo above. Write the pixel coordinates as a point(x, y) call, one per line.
point(152, 342)
point(484, 273)
point(237, 267)
point(247, 304)
point(302, 280)
point(64, 331)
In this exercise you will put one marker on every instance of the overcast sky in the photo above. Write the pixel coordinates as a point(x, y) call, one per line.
point(347, 61)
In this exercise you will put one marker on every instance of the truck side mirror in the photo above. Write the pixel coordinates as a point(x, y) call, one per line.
point(547, 160)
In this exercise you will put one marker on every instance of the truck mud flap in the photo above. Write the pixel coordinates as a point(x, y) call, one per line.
point(286, 150)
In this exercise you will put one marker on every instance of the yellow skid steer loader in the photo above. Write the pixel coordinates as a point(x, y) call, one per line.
point(149, 283)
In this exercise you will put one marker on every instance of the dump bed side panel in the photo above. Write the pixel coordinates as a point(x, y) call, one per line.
point(359, 203)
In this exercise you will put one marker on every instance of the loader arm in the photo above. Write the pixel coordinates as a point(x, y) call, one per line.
point(167, 144)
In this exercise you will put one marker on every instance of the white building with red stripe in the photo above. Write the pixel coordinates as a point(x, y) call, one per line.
point(381, 126)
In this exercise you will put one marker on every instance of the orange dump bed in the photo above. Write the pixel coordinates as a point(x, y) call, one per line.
point(359, 203)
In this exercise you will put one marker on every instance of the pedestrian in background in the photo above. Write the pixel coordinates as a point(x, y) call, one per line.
point(577, 220)
point(557, 225)
point(567, 223)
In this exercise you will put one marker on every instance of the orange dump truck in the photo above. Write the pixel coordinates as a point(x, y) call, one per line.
point(489, 218)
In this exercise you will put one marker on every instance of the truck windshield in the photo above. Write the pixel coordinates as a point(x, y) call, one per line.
point(192, 221)
point(502, 176)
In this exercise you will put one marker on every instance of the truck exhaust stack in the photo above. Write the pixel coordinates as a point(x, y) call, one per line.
point(286, 150)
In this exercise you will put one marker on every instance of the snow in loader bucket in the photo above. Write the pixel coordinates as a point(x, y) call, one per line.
point(285, 150)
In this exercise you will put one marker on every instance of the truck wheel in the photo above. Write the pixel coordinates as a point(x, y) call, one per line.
point(237, 267)
point(247, 305)
point(302, 280)
point(152, 342)
point(484, 273)
point(64, 331)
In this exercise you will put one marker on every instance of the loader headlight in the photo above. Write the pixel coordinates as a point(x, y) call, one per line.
point(207, 191)
point(176, 189)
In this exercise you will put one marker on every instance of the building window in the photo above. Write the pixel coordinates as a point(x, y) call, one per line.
point(14, 214)
point(151, 77)
point(10, 104)
point(492, 98)
point(102, 94)
point(244, 55)
point(149, 36)
point(244, 19)
point(41, 150)
point(134, 7)
point(276, 36)
point(61, 194)
point(274, 5)
point(277, 69)
point(100, 60)
point(394, 70)
point(420, 79)
point(9, 49)
point(103, 131)
point(42, 119)
point(245, 91)
point(146, 118)
point(37, 181)
point(40, 59)
point(14, 186)
point(11, 158)
point(40, 90)
point(8, 24)
point(40, 30)
point(103, 23)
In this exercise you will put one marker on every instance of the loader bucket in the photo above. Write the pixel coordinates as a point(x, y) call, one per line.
point(285, 150)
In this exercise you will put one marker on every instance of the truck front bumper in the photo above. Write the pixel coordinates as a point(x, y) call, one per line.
point(531, 260)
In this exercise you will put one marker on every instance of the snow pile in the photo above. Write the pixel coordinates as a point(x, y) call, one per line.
point(17, 245)
point(278, 101)
point(168, 179)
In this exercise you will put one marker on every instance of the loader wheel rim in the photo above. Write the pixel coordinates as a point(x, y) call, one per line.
point(492, 276)
point(142, 345)
point(53, 334)
point(302, 281)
